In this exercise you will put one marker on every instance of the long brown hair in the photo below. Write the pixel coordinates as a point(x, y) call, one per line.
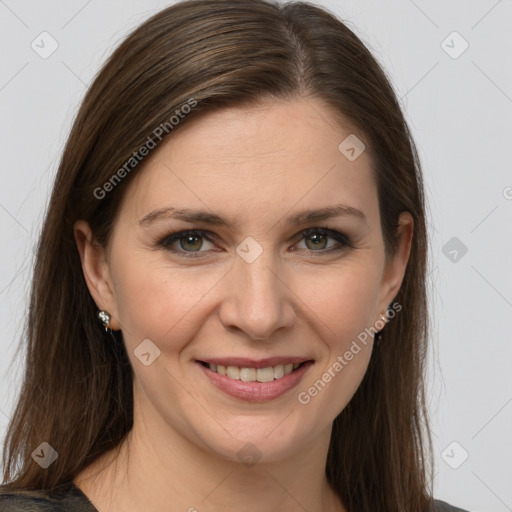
point(77, 388)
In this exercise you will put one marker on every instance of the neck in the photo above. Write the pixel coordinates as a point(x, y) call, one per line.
point(157, 467)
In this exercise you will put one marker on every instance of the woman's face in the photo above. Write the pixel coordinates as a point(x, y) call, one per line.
point(262, 282)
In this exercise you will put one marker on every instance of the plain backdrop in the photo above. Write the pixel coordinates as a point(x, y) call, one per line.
point(449, 62)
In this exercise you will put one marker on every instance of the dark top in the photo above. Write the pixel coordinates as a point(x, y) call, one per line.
point(69, 498)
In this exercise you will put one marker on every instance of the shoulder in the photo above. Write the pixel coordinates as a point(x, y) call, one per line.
point(62, 499)
point(27, 501)
point(442, 506)
point(14, 502)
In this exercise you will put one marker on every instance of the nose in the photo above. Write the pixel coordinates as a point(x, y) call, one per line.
point(257, 299)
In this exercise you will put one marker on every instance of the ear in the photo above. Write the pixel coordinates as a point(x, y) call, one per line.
point(395, 267)
point(96, 271)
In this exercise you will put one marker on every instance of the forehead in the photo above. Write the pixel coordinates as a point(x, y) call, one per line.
point(270, 156)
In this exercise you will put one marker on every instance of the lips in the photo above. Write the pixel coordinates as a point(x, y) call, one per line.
point(244, 362)
point(255, 380)
point(247, 374)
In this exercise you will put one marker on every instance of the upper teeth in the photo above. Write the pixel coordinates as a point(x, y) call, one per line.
point(254, 374)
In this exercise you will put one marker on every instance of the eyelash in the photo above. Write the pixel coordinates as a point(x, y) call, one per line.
point(343, 240)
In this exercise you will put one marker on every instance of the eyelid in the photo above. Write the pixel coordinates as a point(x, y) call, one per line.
point(344, 241)
point(170, 238)
point(331, 233)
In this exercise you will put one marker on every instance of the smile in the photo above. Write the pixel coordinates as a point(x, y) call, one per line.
point(255, 384)
point(267, 374)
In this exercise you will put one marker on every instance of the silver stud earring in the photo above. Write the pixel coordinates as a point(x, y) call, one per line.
point(104, 317)
point(378, 335)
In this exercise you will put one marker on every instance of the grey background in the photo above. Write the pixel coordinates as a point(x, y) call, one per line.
point(460, 113)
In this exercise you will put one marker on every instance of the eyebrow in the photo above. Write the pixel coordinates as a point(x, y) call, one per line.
point(201, 216)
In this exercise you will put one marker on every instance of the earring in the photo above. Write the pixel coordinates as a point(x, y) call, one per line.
point(104, 317)
point(378, 335)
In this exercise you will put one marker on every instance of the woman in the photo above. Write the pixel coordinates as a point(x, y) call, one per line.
point(228, 309)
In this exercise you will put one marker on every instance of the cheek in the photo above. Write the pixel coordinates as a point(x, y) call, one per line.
point(164, 302)
point(343, 300)
point(160, 302)
point(332, 387)
point(344, 307)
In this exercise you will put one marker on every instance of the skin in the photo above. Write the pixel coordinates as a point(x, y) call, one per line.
point(254, 166)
